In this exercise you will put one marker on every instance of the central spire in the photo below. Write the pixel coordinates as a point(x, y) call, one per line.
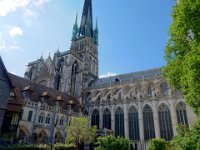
point(86, 26)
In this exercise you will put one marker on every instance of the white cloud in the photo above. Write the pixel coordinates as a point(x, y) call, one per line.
point(15, 31)
point(5, 47)
point(8, 6)
point(108, 74)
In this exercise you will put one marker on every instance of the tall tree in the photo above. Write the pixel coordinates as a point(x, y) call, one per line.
point(182, 52)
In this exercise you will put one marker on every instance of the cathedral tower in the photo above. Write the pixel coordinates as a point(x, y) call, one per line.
point(85, 43)
point(71, 71)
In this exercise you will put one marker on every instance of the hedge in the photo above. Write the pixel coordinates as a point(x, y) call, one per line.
point(26, 147)
point(64, 147)
point(39, 147)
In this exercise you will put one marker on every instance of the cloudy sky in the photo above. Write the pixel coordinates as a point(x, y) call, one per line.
point(133, 33)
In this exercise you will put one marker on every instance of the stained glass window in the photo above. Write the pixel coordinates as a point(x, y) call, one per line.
point(149, 130)
point(133, 123)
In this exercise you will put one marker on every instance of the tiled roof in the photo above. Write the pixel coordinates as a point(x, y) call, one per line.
point(38, 90)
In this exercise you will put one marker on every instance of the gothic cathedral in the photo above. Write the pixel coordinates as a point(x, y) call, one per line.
point(137, 106)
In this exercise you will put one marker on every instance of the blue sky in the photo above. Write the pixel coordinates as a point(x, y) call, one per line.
point(132, 33)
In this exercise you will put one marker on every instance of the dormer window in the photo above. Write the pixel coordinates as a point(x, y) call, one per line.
point(44, 97)
point(58, 100)
point(11, 96)
point(26, 92)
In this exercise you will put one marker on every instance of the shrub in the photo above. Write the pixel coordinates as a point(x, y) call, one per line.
point(157, 144)
point(64, 147)
point(26, 147)
point(112, 143)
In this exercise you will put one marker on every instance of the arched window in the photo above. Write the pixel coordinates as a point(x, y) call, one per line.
point(166, 130)
point(41, 118)
point(30, 113)
point(95, 118)
point(133, 124)
point(119, 122)
point(48, 119)
point(57, 120)
point(181, 114)
point(61, 121)
point(164, 89)
point(107, 119)
point(149, 130)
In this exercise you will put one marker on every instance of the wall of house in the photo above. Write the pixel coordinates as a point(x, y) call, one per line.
point(4, 93)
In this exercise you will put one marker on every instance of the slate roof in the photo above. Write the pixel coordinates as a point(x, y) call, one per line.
point(37, 90)
point(128, 77)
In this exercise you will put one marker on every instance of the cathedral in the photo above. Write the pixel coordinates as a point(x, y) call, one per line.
point(137, 106)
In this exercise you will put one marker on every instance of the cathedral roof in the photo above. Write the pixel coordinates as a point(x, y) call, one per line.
point(128, 77)
point(37, 91)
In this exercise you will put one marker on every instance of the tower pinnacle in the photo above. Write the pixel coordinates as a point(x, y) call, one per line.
point(87, 20)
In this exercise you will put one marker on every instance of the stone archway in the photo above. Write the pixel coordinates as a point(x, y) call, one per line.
point(24, 134)
point(40, 137)
point(58, 137)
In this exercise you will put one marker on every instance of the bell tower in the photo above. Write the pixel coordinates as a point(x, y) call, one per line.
point(85, 44)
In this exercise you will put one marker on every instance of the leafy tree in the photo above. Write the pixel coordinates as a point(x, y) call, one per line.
point(112, 143)
point(182, 52)
point(79, 131)
point(187, 139)
point(157, 144)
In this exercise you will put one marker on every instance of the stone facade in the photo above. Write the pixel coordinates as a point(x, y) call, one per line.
point(33, 112)
point(140, 89)
point(138, 106)
point(46, 111)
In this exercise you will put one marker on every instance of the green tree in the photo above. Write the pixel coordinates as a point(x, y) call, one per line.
point(80, 132)
point(187, 139)
point(157, 144)
point(112, 143)
point(182, 52)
